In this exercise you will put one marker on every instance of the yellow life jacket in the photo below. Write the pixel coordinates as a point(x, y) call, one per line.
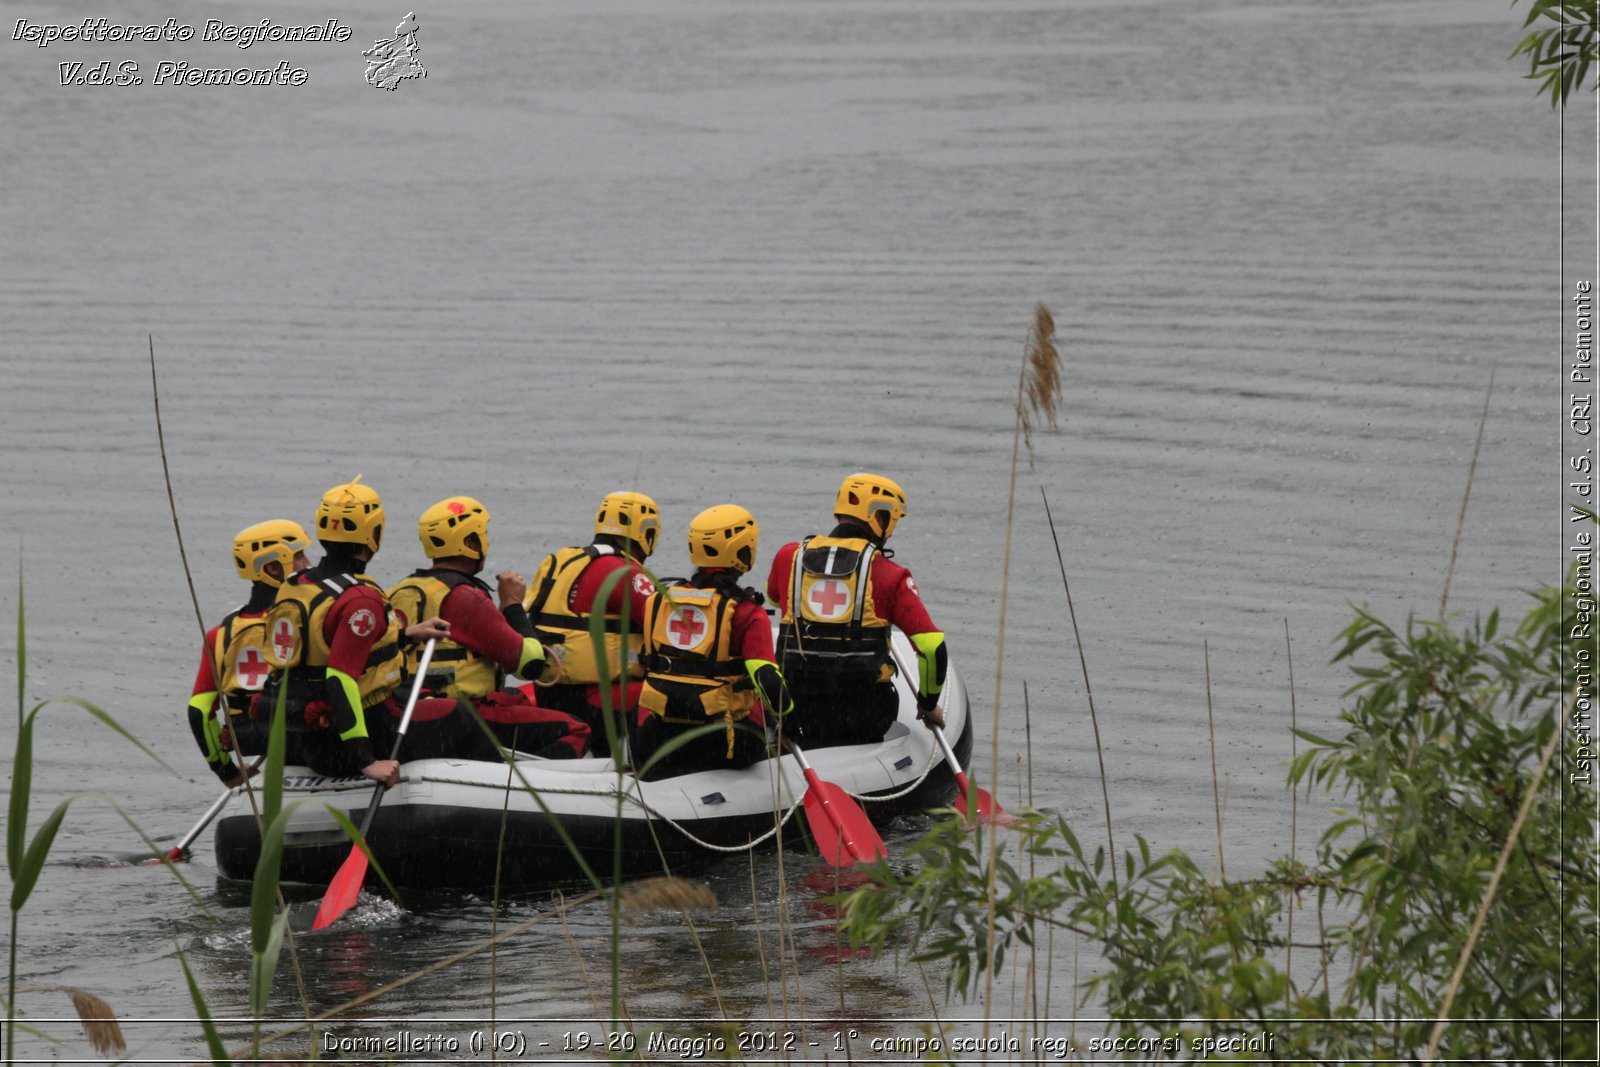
point(549, 606)
point(239, 656)
point(294, 626)
point(830, 626)
point(692, 675)
point(455, 670)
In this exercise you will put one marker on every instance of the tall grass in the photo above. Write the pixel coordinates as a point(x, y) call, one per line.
point(25, 857)
point(1038, 393)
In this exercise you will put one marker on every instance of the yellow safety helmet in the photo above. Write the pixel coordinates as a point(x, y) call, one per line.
point(632, 516)
point(871, 499)
point(445, 528)
point(274, 541)
point(724, 536)
point(351, 514)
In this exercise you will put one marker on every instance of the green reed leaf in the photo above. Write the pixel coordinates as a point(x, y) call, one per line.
point(202, 1012)
point(264, 966)
point(21, 787)
point(24, 877)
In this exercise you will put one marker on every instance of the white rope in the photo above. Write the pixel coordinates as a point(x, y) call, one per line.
point(868, 798)
point(649, 812)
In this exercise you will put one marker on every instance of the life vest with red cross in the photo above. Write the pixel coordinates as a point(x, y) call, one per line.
point(239, 656)
point(295, 639)
point(692, 675)
point(829, 626)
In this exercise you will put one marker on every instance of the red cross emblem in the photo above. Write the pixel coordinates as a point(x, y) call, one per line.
point(283, 640)
point(455, 507)
point(642, 585)
point(363, 622)
point(829, 599)
point(251, 668)
point(686, 627)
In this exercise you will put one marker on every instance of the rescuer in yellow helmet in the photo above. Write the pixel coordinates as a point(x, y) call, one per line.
point(837, 597)
point(233, 662)
point(337, 647)
point(561, 600)
point(708, 657)
point(485, 644)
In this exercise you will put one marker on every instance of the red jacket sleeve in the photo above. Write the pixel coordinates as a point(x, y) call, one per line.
point(896, 598)
point(354, 624)
point(781, 575)
point(476, 623)
point(205, 679)
point(752, 632)
point(636, 589)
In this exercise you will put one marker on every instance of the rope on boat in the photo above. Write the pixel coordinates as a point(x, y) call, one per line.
point(649, 812)
point(876, 798)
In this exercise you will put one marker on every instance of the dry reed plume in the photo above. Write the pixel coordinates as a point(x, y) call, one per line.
point(664, 894)
point(1040, 388)
point(1038, 392)
point(99, 1022)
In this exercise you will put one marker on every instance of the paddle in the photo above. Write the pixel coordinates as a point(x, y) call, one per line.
point(346, 885)
point(989, 808)
point(175, 854)
point(843, 833)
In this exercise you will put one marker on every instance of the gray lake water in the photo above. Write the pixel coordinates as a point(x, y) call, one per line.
point(733, 252)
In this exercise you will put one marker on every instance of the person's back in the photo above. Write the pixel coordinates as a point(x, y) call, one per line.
point(838, 595)
point(562, 598)
point(337, 650)
point(708, 657)
point(485, 643)
point(233, 663)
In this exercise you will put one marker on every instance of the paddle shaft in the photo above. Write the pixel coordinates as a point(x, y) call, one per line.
point(176, 852)
point(986, 803)
point(400, 734)
point(950, 756)
point(345, 888)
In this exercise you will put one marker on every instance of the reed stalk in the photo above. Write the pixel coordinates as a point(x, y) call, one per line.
point(1038, 392)
point(1088, 689)
point(1472, 470)
point(1444, 599)
point(577, 954)
point(761, 943)
point(1294, 817)
point(1489, 891)
point(222, 698)
point(494, 906)
point(1211, 735)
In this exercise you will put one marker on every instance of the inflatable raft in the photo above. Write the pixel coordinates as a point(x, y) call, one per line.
point(442, 825)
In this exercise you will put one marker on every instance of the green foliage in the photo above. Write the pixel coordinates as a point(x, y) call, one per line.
point(1444, 732)
point(1561, 47)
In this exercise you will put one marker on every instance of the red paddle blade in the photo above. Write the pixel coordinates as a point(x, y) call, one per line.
point(843, 833)
point(989, 809)
point(344, 889)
